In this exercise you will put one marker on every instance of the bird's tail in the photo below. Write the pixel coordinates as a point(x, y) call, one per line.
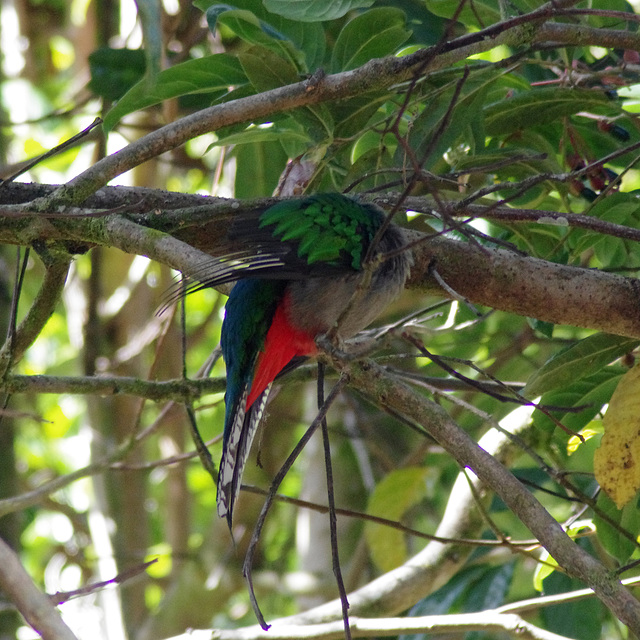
point(235, 453)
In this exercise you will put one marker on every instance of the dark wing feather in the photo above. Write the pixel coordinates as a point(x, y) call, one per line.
point(317, 236)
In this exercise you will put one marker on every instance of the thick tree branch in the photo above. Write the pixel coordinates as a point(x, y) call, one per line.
point(493, 277)
point(532, 287)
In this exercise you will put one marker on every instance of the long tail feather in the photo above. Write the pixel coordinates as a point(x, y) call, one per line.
point(236, 452)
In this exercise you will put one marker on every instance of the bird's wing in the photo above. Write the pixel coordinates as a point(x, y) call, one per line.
point(321, 235)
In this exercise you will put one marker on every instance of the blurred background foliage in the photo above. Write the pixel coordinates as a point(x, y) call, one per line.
point(476, 129)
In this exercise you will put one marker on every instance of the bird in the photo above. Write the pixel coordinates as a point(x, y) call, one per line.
point(296, 267)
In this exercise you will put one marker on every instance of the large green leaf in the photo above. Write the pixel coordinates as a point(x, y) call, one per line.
point(202, 75)
point(309, 37)
point(589, 394)
point(541, 106)
point(267, 70)
point(390, 499)
point(614, 541)
point(314, 10)
point(581, 619)
point(258, 168)
point(256, 32)
point(258, 134)
point(372, 34)
point(577, 361)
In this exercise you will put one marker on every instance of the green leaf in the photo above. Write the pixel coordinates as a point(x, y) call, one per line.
point(202, 75)
point(215, 11)
point(581, 619)
point(467, 110)
point(352, 114)
point(274, 133)
point(577, 361)
point(544, 569)
point(314, 10)
point(616, 543)
point(267, 70)
point(479, 15)
point(611, 252)
point(391, 498)
point(591, 393)
point(541, 106)
point(258, 168)
point(309, 37)
point(373, 34)
point(490, 591)
point(151, 21)
point(256, 32)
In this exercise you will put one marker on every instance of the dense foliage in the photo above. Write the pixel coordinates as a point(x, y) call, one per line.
point(504, 135)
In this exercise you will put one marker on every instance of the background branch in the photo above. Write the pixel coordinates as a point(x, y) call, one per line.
point(34, 605)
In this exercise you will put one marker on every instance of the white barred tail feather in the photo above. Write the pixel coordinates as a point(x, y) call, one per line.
point(236, 452)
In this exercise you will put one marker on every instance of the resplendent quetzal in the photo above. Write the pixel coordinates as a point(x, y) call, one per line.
point(297, 267)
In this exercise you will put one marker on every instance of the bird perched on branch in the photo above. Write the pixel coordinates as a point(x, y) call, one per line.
point(298, 266)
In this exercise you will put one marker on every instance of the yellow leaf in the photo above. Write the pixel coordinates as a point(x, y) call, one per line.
point(617, 461)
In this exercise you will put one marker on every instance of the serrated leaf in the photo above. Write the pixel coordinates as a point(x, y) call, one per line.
point(202, 75)
point(314, 10)
point(391, 498)
point(617, 461)
point(539, 107)
point(577, 361)
point(373, 34)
